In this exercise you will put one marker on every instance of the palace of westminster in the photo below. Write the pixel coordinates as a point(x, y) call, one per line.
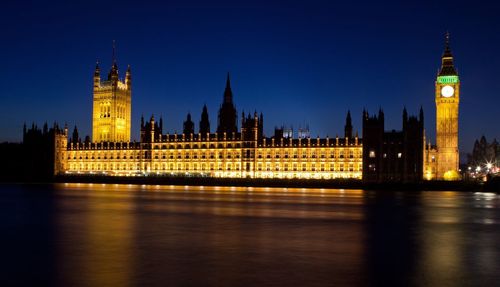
point(378, 156)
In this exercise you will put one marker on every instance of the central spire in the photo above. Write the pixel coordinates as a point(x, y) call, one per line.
point(227, 113)
point(228, 94)
point(114, 52)
point(447, 67)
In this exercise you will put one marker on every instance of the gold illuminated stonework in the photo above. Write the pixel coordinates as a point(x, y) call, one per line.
point(442, 161)
point(239, 154)
point(213, 156)
point(111, 116)
point(244, 153)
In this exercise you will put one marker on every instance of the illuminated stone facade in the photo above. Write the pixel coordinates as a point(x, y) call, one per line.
point(246, 153)
point(218, 157)
point(442, 160)
point(112, 107)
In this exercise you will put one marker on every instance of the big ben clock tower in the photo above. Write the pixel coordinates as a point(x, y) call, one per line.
point(447, 100)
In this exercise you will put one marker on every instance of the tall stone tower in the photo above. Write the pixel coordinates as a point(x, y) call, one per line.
point(111, 117)
point(447, 101)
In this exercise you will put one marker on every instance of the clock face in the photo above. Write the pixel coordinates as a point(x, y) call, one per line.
point(447, 91)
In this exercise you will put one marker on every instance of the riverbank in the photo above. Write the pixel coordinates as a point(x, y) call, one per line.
point(296, 183)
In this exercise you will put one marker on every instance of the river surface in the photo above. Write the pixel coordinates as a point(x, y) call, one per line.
point(138, 235)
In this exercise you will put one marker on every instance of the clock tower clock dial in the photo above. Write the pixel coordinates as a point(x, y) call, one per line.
point(447, 103)
point(447, 91)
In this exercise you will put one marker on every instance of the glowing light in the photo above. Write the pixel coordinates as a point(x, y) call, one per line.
point(447, 79)
point(451, 175)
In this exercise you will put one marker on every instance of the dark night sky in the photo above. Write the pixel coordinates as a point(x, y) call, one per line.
point(297, 62)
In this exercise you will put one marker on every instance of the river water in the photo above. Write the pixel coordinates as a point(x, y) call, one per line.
point(139, 235)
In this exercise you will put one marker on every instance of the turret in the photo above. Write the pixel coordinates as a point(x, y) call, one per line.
point(261, 126)
point(227, 113)
point(152, 127)
point(128, 78)
point(97, 76)
point(204, 122)
point(348, 126)
point(75, 139)
point(381, 116)
point(188, 125)
point(405, 118)
point(161, 125)
point(421, 116)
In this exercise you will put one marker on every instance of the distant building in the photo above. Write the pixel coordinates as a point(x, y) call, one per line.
point(484, 153)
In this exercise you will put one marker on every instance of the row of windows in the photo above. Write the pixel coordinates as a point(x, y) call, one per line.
point(371, 154)
point(212, 166)
point(105, 110)
point(220, 154)
point(195, 146)
point(179, 157)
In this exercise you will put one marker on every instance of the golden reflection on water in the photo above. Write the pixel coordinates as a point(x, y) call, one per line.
point(96, 241)
point(131, 235)
point(289, 198)
point(123, 226)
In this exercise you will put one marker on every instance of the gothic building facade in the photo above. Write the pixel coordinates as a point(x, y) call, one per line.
point(244, 152)
point(228, 152)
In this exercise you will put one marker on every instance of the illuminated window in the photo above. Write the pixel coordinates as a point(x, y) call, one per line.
point(372, 154)
point(400, 155)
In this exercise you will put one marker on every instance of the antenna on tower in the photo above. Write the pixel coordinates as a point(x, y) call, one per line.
point(114, 52)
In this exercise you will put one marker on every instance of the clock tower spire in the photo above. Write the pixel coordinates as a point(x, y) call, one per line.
point(447, 101)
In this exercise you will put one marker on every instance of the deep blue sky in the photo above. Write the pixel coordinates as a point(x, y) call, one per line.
point(297, 62)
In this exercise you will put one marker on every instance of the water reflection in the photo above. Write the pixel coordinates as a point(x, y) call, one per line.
point(141, 235)
point(95, 240)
